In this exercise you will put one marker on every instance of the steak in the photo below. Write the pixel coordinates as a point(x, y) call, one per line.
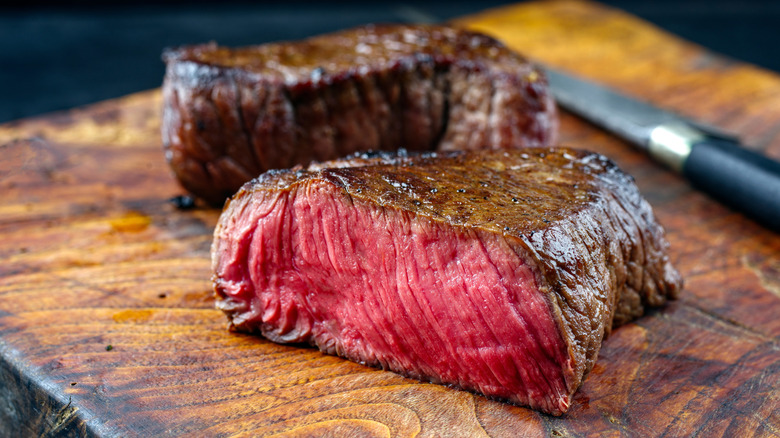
point(231, 113)
point(499, 272)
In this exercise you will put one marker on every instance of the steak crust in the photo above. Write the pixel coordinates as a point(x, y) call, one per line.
point(230, 114)
point(505, 272)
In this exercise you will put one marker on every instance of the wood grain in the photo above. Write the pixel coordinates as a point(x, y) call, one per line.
point(107, 325)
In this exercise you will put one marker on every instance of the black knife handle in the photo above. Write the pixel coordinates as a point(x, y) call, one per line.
point(742, 179)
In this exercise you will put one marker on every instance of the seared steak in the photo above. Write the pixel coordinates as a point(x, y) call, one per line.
point(230, 114)
point(498, 272)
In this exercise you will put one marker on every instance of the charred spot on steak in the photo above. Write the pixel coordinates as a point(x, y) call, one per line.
point(382, 260)
point(230, 114)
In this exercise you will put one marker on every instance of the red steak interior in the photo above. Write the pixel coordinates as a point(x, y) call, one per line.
point(387, 288)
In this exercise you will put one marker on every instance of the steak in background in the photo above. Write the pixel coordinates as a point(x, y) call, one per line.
point(499, 272)
point(230, 114)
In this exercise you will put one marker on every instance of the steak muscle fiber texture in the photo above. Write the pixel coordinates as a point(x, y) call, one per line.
point(231, 114)
point(499, 272)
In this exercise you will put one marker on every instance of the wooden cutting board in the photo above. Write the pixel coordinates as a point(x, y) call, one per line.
point(107, 325)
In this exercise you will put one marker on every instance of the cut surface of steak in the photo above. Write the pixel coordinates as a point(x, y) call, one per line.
point(231, 113)
point(499, 272)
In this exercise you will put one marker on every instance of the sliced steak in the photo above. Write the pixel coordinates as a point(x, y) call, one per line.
point(230, 114)
point(498, 272)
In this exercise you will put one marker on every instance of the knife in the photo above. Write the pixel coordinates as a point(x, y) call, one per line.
point(712, 162)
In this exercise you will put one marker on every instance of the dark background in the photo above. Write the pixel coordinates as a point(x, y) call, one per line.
point(56, 55)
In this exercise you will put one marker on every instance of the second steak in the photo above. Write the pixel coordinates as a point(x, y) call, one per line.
point(230, 114)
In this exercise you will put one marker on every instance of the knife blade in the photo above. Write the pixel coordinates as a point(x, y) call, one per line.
point(711, 161)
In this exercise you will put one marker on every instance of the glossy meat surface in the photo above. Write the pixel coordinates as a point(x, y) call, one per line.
point(230, 114)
